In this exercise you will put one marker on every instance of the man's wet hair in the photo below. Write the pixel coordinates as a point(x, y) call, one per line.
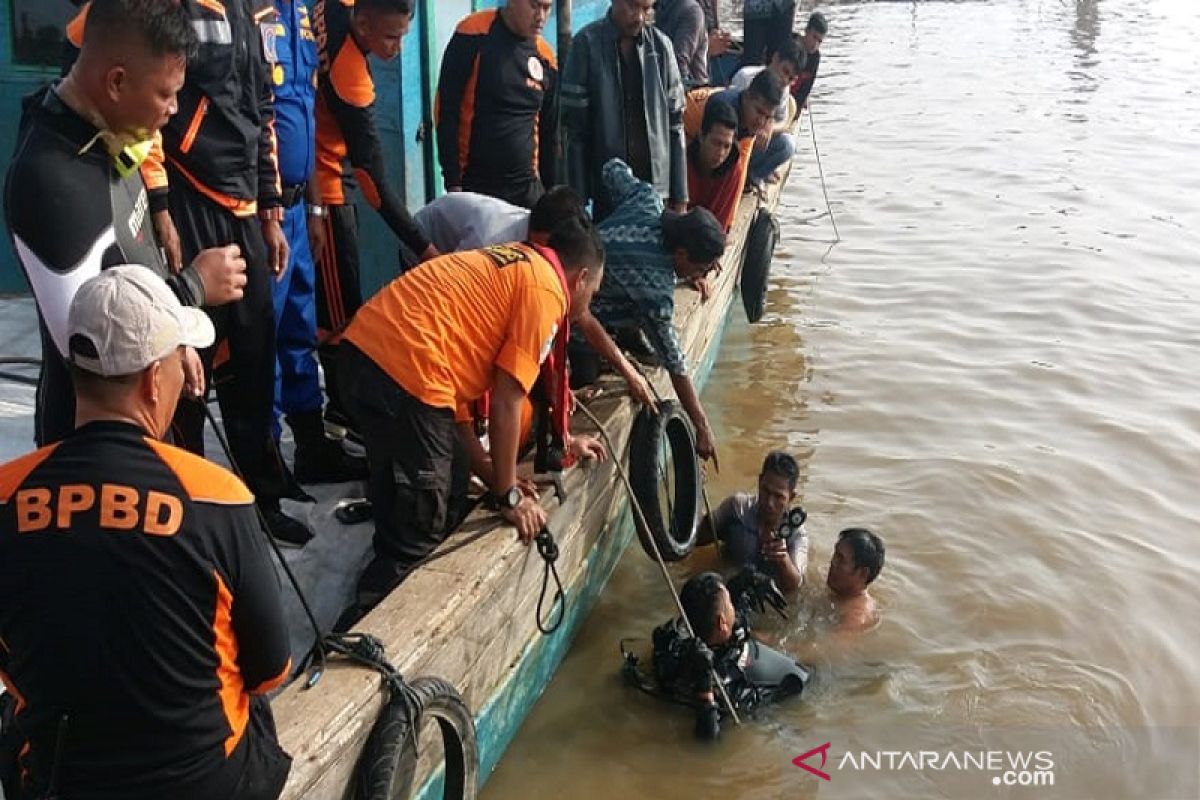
point(555, 206)
point(766, 85)
point(868, 550)
point(162, 25)
point(698, 232)
point(782, 464)
point(790, 49)
point(699, 598)
point(577, 244)
point(385, 6)
point(818, 23)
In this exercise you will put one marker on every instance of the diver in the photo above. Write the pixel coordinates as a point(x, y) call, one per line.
point(684, 666)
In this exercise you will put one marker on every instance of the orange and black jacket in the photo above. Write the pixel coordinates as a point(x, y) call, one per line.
point(222, 139)
point(138, 601)
point(346, 123)
point(497, 107)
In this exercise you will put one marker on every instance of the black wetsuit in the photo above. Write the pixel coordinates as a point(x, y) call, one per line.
point(70, 215)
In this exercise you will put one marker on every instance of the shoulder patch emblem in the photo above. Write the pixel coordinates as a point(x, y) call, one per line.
point(504, 255)
point(536, 71)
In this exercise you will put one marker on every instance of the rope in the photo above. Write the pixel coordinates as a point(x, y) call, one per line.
point(821, 171)
point(548, 550)
point(662, 565)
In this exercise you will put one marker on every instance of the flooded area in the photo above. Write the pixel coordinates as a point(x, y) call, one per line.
point(996, 371)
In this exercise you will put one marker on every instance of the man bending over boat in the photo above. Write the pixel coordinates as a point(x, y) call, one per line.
point(427, 346)
point(751, 672)
point(763, 530)
point(140, 618)
point(648, 250)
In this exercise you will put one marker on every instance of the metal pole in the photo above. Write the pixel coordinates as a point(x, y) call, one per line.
point(564, 30)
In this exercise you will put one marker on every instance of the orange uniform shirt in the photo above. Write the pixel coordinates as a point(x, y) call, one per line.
point(442, 329)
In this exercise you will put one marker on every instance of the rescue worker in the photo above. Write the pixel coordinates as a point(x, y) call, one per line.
point(218, 183)
point(497, 104)
point(318, 458)
point(347, 32)
point(466, 221)
point(422, 350)
point(751, 672)
point(622, 97)
point(141, 621)
point(75, 202)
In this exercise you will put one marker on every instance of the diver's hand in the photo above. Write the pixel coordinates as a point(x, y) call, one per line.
point(708, 722)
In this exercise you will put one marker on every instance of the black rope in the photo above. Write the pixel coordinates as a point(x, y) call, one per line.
point(318, 652)
point(548, 550)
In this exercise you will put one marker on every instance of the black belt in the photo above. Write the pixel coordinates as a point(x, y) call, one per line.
point(294, 194)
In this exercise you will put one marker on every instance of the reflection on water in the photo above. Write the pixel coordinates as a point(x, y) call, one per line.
point(995, 370)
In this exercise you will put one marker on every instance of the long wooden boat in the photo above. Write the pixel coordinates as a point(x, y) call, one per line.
point(468, 617)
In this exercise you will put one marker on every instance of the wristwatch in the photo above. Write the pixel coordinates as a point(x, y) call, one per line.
point(271, 214)
point(318, 211)
point(510, 499)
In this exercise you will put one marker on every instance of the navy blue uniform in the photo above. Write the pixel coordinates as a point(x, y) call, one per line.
point(297, 385)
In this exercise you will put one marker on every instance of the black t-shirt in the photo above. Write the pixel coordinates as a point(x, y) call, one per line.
point(137, 598)
point(637, 136)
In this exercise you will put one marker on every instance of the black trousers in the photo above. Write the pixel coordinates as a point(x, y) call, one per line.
point(339, 293)
point(524, 193)
point(418, 470)
point(245, 382)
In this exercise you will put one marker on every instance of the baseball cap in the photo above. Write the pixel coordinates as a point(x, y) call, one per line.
point(126, 318)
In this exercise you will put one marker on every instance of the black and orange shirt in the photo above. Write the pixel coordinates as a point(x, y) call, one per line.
point(442, 329)
point(346, 123)
point(136, 599)
point(497, 112)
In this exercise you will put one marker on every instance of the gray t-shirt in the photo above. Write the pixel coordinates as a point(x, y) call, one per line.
point(736, 524)
point(468, 221)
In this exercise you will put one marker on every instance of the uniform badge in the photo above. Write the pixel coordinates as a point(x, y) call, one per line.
point(503, 255)
point(277, 75)
point(536, 72)
point(269, 38)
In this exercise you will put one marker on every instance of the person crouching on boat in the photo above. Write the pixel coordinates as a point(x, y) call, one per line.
point(649, 249)
point(422, 350)
point(758, 529)
point(140, 617)
point(751, 672)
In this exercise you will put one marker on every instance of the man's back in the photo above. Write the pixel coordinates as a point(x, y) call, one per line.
point(137, 604)
point(467, 220)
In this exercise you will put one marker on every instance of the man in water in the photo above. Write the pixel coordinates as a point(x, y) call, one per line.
point(747, 525)
point(857, 561)
point(751, 672)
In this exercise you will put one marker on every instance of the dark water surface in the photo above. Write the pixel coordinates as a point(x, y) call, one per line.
point(997, 369)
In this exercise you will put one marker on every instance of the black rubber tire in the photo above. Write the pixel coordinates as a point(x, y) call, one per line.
point(674, 532)
point(756, 263)
point(389, 760)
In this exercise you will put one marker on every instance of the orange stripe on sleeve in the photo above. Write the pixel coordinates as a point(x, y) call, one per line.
point(203, 480)
point(14, 473)
point(272, 684)
point(234, 205)
point(234, 700)
point(75, 27)
point(466, 119)
point(351, 77)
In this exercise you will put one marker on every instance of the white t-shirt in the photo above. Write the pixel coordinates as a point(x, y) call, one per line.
point(741, 82)
point(468, 221)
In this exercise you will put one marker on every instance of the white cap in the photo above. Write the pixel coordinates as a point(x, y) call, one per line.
point(126, 318)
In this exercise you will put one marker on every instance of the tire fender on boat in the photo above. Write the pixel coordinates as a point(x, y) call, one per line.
point(756, 263)
point(389, 760)
point(656, 434)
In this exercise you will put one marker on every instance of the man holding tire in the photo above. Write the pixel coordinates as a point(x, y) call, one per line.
point(648, 249)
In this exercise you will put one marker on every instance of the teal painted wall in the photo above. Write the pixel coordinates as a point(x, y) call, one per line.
point(404, 105)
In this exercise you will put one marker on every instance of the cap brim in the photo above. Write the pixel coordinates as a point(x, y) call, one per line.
point(196, 328)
